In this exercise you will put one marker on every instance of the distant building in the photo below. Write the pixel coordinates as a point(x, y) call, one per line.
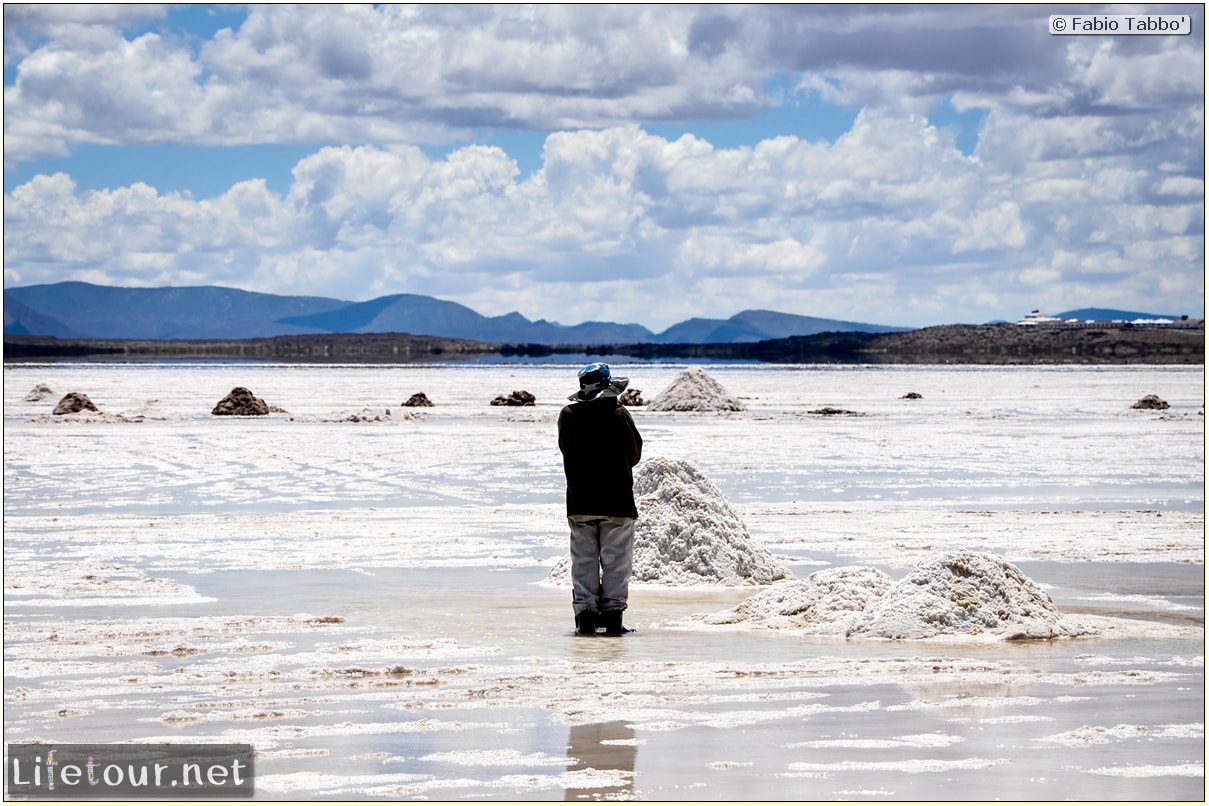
point(1035, 317)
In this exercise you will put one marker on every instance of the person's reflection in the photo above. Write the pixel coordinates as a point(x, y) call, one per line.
point(602, 746)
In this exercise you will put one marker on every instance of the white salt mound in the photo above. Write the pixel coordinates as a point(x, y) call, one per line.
point(39, 393)
point(688, 534)
point(827, 602)
point(660, 474)
point(694, 390)
point(967, 593)
point(958, 593)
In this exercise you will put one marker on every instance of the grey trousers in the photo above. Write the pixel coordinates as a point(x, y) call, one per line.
point(602, 558)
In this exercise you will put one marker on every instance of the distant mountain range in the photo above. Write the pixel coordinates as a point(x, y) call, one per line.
point(74, 310)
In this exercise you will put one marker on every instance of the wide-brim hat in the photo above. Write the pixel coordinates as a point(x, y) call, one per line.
point(613, 389)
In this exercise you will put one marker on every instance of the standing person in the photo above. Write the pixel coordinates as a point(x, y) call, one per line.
point(600, 446)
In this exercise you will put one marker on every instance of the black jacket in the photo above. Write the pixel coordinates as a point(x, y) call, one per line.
point(600, 446)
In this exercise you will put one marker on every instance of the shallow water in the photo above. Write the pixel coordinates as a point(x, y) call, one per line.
point(365, 602)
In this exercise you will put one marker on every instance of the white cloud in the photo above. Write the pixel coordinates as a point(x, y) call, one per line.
point(1089, 163)
point(428, 73)
point(1146, 80)
point(50, 15)
point(1181, 186)
point(384, 74)
point(997, 227)
point(679, 220)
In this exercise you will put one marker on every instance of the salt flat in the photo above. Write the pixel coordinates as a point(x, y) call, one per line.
point(363, 595)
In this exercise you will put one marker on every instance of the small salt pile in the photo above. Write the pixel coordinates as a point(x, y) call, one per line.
point(965, 593)
point(39, 393)
point(694, 390)
point(688, 534)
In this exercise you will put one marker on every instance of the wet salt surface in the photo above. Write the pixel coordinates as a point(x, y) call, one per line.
point(365, 602)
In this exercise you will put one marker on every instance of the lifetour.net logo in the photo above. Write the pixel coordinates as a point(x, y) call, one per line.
point(111, 771)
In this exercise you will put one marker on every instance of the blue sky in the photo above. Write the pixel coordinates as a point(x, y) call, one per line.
point(900, 164)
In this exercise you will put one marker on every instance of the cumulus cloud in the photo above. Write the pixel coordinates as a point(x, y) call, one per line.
point(386, 74)
point(1088, 165)
point(678, 220)
point(428, 73)
point(48, 15)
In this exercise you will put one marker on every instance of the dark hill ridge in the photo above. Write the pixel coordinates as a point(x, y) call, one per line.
point(413, 313)
point(107, 312)
point(317, 347)
point(951, 344)
point(1010, 344)
point(20, 318)
point(758, 325)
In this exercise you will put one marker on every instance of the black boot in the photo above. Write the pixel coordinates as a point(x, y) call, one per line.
point(611, 621)
point(585, 622)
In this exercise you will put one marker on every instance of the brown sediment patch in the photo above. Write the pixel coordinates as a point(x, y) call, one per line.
point(68, 639)
point(75, 403)
point(87, 417)
point(178, 718)
point(517, 398)
point(240, 402)
point(229, 712)
point(631, 398)
point(1151, 402)
point(176, 652)
point(367, 415)
point(292, 752)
